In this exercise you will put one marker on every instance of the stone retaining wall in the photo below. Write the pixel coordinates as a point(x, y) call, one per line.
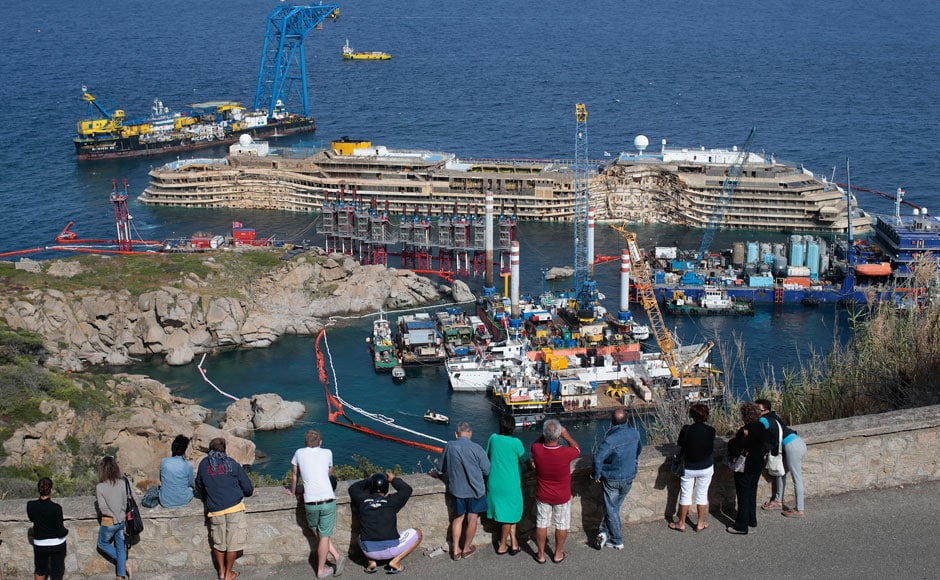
point(874, 451)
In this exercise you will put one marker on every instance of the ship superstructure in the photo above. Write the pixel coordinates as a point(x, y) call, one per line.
point(769, 195)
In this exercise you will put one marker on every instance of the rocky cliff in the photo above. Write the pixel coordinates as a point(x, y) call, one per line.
point(228, 305)
point(138, 424)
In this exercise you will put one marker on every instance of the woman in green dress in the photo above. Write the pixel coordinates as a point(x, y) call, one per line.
point(504, 486)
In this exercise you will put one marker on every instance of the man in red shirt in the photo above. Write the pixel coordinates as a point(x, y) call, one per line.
point(552, 462)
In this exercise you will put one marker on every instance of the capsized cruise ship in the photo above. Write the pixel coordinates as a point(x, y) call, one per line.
point(675, 186)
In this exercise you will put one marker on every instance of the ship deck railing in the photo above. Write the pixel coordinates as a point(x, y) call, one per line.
point(180, 163)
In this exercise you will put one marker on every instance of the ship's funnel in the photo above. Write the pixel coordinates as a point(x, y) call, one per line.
point(624, 280)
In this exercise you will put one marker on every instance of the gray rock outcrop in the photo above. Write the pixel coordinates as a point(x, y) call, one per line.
point(264, 412)
point(140, 427)
point(559, 272)
point(461, 293)
point(181, 321)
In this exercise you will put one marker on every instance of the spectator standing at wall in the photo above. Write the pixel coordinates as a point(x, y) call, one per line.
point(223, 485)
point(615, 466)
point(794, 449)
point(749, 440)
point(504, 486)
point(314, 465)
point(111, 496)
point(378, 521)
point(697, 442)
point(49, 533)
point(177, 475)
point(552, 463)
point(464, 465)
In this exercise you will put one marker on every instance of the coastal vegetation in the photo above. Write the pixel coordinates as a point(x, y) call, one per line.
point(891, 361)
point(226, 272)
point(29, 394)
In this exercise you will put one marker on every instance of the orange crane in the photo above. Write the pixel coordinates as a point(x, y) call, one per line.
point(684, 372)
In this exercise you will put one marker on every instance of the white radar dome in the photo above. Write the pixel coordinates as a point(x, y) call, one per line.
point(641, 143)
point(245, 140)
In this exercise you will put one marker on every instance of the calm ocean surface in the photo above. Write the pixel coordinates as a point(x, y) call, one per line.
point(822, 81)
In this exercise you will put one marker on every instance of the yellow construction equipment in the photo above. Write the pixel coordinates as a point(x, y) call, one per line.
point(684, 373)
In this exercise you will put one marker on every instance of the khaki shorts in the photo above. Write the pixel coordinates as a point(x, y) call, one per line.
point(229, 533)
point(547, 513)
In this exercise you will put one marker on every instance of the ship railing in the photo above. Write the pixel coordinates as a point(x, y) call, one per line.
point(180, 163)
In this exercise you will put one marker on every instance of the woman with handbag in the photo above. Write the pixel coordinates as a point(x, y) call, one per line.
point(111, 493)
point(794, 449)
point(697, 442)
point(749, 441)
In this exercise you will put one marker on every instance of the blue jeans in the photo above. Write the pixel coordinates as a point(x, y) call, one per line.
point(111, 542)
point(615, 491)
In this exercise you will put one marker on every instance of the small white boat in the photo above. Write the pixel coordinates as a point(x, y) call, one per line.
point(398, 374)
point(435, 417)
point(639, 331)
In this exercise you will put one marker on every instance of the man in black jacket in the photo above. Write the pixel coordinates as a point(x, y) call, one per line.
point(378, 521)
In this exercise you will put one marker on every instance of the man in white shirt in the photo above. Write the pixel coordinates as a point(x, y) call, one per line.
point(315, 466)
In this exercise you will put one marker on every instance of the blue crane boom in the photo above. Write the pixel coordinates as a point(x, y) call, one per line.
point(283, 72)
point(724, 198)
point(581, 203)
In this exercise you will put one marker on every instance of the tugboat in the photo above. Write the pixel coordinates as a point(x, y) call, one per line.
point(384, 357)
point(398, 374)
point(350, 54)
point(713, 301)
point(435, 417)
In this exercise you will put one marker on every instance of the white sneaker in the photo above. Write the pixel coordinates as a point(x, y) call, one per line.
point(600, 540)
point(614, 546)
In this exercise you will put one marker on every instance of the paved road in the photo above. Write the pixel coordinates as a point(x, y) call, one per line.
point(892, 533)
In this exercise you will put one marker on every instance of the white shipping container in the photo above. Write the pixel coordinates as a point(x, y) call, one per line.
point(666, 252)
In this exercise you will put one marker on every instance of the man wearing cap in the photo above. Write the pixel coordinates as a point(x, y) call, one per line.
point(378, 521)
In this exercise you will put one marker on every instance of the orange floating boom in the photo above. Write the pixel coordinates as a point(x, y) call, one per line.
point(335, 408)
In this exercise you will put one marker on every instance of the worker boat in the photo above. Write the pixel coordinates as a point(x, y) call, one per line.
point(434, 417)
point(629, 327)
point(106, 134)
point(399, 375)
point(384, 358)
point(419, 341)
point(479, 372)
point(350, 54)
point(458, 331)
point(711, 302)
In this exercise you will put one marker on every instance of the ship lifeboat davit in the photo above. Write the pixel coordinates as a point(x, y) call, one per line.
point(881, 269)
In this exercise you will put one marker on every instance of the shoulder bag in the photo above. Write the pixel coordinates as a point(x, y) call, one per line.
point(737, 463)
point(133, 525)
point(678, 464)
point(774, 463)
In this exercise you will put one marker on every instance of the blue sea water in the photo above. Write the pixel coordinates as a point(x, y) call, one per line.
point(823, 82)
